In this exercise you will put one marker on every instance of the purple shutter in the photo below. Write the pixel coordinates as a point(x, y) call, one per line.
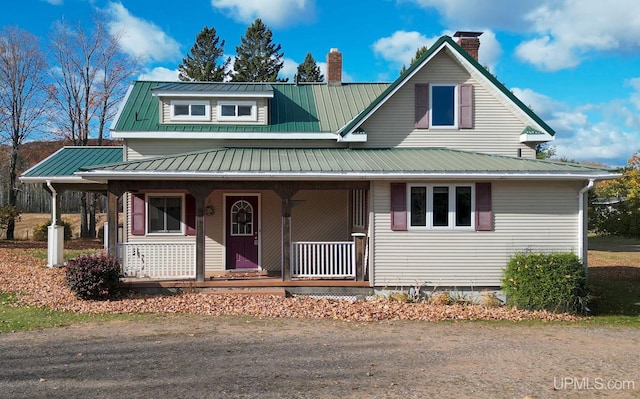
point(484, 215)
point(398, 206)
point(466, 107)
point(422, 106)
point(137, 214)
point(190, 214)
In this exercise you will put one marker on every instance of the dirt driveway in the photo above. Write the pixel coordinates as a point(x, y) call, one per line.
point(246, 357)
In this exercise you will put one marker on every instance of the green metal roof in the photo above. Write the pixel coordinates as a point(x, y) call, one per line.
point(293, 108)
point(436, 47)
point(68, 160)
point(214, 87)
point(340, 163)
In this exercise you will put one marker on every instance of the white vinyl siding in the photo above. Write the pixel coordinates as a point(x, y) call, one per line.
point(261, 117)
point(136, 149)
point(496, 128)
point(535, 216)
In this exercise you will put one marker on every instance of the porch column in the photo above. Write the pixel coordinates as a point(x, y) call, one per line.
point(200, 192)
point(114, 191)
point(286, 191)
point(55, 231)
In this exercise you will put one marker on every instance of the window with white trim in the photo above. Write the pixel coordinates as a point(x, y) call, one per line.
point(434, 206)
point(237, 111)
point(190, 110)
point(164, 214)
point(444, 105)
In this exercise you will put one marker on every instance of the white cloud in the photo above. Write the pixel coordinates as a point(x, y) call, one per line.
point(274, 12)
point(499, 14)
point(573, 29)
point(401, 46)
point(635, 96)
point(54, 2)
point(140, 38)
point(600, 143)
point(289, 68)
point(578, 137)
point(160, 74)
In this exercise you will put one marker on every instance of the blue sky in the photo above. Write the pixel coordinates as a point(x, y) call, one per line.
point(575, 62)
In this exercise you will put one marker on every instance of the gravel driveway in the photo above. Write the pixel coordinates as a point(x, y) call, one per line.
point(248, 357)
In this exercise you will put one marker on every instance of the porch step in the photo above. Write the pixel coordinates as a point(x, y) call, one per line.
point(246, 291)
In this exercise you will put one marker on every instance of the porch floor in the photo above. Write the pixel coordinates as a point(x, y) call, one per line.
point(253, 282)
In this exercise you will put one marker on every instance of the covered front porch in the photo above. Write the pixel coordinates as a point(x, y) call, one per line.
point(337, 254)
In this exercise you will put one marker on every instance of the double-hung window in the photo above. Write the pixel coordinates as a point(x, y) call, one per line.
point(237, 111)
point(164, 214)
point(436, 206)
point(445, 106)
point(190, 110)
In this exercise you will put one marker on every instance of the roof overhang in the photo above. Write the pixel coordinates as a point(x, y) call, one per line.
point(531, 135)
point(212, 94)
point(249, 176)
point(227, 135)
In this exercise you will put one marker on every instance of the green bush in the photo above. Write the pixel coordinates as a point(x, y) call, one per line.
point(554, 282)
point(41, 231)
point(93, 276)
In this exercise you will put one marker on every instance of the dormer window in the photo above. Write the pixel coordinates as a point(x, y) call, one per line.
point(237, 111)
point(190, 110)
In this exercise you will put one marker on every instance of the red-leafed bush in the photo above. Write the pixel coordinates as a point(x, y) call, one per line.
point(93, 276)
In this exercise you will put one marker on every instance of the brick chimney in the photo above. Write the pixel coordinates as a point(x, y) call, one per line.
point(469, 41)
point(334, 67)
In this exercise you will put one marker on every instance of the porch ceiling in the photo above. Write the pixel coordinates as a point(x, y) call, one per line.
point(338, 164)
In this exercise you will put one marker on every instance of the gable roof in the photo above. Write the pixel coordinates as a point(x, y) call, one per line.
point(303, 108)
point(62, 164)
point(439, 45)
point(339, 163)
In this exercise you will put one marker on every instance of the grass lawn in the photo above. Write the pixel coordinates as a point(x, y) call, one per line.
point(614, 280)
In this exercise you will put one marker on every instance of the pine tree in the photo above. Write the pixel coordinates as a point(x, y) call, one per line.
point(258, 59)
point(419, 53)
point(309, 71)
point(202, 63)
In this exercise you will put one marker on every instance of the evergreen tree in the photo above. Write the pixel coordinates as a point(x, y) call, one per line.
point(258, 59)
point(309, 71)
point(419, 53)
point(201, 64)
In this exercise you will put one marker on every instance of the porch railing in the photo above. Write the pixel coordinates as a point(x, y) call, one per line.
point(323, 259)
point(158, 259)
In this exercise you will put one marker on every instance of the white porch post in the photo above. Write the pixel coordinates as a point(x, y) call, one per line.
point(55, 233)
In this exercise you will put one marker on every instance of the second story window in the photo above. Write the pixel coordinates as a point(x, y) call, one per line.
point(237, 111)
point(185, 110)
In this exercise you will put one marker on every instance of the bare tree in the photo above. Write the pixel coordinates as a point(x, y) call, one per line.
point(22, 98)
point(89, 80)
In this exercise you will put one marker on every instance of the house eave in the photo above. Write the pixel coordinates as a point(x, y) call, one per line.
point(58, 180)
point(253, 176)
point(536, 138)
point(225, 135)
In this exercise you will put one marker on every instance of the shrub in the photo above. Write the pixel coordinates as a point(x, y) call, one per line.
point(41, 231)
point(93, 276)
point(553, 282)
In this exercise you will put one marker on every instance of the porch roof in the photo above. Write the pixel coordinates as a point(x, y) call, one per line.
point(60, 166)
point(339, 164)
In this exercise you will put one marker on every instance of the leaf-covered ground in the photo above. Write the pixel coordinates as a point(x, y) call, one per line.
point(37, 285)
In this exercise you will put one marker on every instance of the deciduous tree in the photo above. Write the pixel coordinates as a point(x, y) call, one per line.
point(89, 79)
point(22, 100)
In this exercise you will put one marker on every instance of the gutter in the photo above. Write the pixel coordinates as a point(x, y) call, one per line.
point(581, 222)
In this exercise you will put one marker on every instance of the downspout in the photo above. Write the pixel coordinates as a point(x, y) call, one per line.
point(581, 222)
point(54, 203)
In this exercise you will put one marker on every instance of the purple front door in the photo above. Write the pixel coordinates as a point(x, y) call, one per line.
point(242, 232)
